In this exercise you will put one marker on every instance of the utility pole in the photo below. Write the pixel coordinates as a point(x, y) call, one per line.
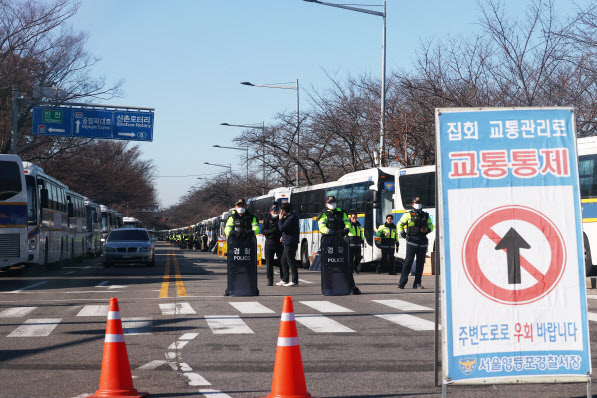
point(15, 121)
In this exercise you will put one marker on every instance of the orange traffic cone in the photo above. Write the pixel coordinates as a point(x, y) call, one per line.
point(116, 380)
point(289, 376)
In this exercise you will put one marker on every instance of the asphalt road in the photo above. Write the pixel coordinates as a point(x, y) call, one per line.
point(185, 339)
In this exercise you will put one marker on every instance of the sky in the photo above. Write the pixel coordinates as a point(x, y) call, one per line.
point(186, 59)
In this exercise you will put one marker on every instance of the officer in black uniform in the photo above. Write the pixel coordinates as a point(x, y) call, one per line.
point(355, 241)
point(273, 246)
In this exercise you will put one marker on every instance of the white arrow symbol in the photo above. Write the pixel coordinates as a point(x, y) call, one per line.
point(127, 134)
point(52, 130)
point(78, 123)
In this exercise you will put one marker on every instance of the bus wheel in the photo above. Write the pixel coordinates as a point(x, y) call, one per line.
point(305, 263)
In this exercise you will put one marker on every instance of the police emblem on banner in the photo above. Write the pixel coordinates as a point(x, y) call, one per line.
point(468, 365)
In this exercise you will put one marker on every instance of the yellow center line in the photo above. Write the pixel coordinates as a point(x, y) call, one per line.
point(182, 292)
point(166, 282)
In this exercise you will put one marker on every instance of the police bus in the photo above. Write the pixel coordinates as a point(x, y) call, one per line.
point(14, 211)
point(587, 170)
point(415, 181)
point(47, 217)
point(369, 193)
point(131, 222)
point(77, 225)
point(94, 228)
point(109, 221)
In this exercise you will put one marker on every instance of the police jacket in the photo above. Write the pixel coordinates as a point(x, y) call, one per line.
point(289, 226)
point(355, 233)
point(271, 231)
point(331, 221)
point(388, 234)
point(245, 223)
point(411, 224)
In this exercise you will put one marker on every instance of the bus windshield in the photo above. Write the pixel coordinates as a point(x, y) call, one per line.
point(421, 185)
point(10, 181)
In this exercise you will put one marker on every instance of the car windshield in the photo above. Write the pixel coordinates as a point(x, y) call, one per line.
point(128, 235)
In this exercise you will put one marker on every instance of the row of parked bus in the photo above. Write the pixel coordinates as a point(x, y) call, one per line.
point(376, 192)
point(372, 194)
point(42, 221)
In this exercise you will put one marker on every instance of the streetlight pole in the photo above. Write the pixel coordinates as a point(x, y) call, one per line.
point(297, 116)
point(221, 165)
point(254, 126)
point(382, 122)
point(238, 149)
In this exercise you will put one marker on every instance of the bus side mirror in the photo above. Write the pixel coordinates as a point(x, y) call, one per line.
point(375, 200)
point(71, 210)
point(44, 199)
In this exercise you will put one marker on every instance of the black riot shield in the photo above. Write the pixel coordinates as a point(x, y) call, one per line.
point(242, 266)
point(335, 267)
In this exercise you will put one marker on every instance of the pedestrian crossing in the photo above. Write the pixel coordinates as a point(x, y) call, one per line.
point(329, 318)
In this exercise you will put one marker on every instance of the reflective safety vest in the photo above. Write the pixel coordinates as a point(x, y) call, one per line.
point(355, 233)
point(331, 221)
point(387, 233)
point(413, 221)
point(244, 223)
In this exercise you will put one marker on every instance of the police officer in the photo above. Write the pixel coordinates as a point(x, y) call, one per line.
point(355, 240)
point(273, 246)
point(242, 222)
point(389, 239)
point(414, 227)
point(204, 239)
point(334, 221)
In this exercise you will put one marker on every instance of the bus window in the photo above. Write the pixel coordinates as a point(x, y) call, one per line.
point(421, 185)
point(31, 201)
point(587, 171)
point(10, 183)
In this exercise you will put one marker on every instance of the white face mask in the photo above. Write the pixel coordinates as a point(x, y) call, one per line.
point(417, 206)
point(331, 206)
point(240, 210)
point(274, 215)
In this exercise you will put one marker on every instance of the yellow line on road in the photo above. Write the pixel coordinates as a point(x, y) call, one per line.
point(166, 282)
point(182, 292)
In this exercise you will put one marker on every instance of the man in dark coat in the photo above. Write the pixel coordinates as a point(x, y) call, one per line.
point(273, 246)
point(290, 227)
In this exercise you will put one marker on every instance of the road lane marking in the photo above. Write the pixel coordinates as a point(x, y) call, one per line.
point(196, 379)
point(136, 326)
point(178, 345)
point(36, 327)
point(408, 321)
point(116, 287)
point(592, 316)
point(16, 312)
point(322, 324)
point(28, 287)
point(227, 324)
point(304, 281)
point(180, 289)
point(94, 310)
point(102, 284)
point(177, 309)
point(213, 393)
point(325, 306)
point(591, 296)
point(166, 282)
point(252, 307)
point(403, 305)
point(188, 336)
point(153, 364)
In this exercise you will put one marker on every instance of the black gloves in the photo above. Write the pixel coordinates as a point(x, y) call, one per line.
point(397, 246)
point(403, 234)
point(345, 231)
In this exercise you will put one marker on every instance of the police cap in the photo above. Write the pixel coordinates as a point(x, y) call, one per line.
point(241, 202)
point(274, 208)
point(330, 199)
point(416, 199)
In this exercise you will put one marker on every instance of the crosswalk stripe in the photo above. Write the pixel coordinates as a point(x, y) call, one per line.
point(322, 324)
point(591, 296)
point(408, 321)
point(227, 324)
point(136, 326)
point(178, 345)
point(592, 316)
point(403, 305)
point(153, 364)
point(214, 394)
point(196, 379)
point(28, 287)
point(36, 327)
point(304, 281)
point(325, 306)
point(94, 310)
point(177, 309)
point(16, 312)
point(252, 307)
point(102, 284)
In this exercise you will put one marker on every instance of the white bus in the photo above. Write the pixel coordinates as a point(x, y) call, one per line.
point(77, 225)
point(94, 228)
point(14, 211)
point(260, 206)
point(415, 181)
point(47, 218)
point(109, 221)
point(587, 170)
point(367, 192)
point(131, 222)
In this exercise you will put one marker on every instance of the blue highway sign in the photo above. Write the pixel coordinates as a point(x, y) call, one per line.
point(93, 123)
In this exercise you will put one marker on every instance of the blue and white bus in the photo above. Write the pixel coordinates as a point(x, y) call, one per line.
point(77, 225)
point(369, 193)
point(13, 212)
point(260, 206)
point(587, 170)
point(94, 228)
point(47, 218)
